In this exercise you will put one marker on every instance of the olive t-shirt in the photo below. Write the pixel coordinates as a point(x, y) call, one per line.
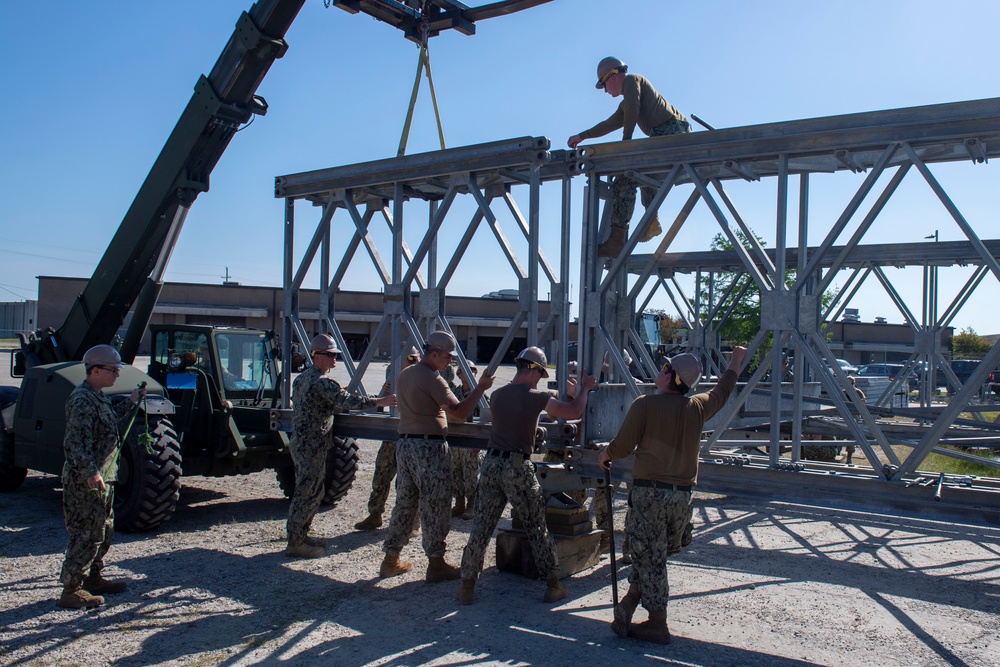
point(515, 410)
point(664, 431)
point(421, 395)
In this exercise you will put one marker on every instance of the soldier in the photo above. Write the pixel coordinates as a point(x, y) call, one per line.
point(385, 465)
point(641, 105)
point(424, 464)
point(508, 473)
point(315, 398)
point(664, 431)
point(91, 446)
point(465, 461)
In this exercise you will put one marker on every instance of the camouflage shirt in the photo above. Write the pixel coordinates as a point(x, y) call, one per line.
point(91, 435)
point(315, 398)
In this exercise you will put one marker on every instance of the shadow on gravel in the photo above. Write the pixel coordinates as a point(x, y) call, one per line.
point(278, 614)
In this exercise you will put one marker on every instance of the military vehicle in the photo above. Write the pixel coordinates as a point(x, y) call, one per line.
point(211, 392)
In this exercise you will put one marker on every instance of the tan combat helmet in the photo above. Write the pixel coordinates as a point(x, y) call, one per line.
point(607, 67)
point(102, 355)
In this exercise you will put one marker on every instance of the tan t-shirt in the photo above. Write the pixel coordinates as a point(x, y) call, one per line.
point(664, 430)
point(515, 409)
point(421, 395)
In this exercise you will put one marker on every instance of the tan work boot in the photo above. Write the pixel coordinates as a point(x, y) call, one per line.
point(438, 570)
point(393, 567)
point(467, 593)
point(626, 552)
point(95, 584)
point(616, 241)
point(303, 550)
point(653, 230)
point(470, 509)
point(313, 542)
point(371, 522)
point(78, 598)
point(459, 508)
point(624, 611)
point(555, 590)
point(654, 630)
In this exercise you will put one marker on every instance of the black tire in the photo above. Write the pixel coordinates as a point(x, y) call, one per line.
point(11, 476)
point(149, 484)
point(286, 479)
point(341, 467)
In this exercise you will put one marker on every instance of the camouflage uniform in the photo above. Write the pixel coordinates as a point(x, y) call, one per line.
point(623, 187)
point(423, 483)
point(385, 467)
point(90, 446)
point(659, 525)
point(502, 479)
point(465, 462)
point(315, 398)
point(385, 471)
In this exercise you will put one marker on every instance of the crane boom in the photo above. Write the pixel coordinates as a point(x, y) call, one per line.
point(132, 266)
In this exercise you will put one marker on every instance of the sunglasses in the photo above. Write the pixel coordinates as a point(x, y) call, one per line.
point(331, 355)
point(607, 76)
point(114, 370)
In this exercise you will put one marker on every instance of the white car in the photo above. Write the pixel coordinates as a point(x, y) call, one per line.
point(847, 367)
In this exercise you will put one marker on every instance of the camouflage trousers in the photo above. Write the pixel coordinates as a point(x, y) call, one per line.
point(465, 471)
point(90, 523)
point(310, 474)
point(501, 480)
point(423, 483)
point(658, 526)
point(385, 471)
point(623, 187)
point(601, 506)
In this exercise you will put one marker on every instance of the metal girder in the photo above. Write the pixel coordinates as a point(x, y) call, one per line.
point(885, 146)
point(431, 17)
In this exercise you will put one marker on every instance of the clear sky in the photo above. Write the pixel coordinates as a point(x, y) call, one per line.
point(94, 88)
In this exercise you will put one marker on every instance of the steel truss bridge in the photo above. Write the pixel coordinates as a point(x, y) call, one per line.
point(453, 194)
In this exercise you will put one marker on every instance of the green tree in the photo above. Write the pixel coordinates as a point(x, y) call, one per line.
point(969, 345)
point(742, 306)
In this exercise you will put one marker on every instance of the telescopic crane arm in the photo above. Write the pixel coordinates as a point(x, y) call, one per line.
point(131, 270)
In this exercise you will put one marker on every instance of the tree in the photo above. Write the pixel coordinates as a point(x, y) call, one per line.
point(742, 303)
point(969, 345)
point(670, 327)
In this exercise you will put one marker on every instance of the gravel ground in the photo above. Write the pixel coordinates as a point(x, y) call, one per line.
point(764, 583)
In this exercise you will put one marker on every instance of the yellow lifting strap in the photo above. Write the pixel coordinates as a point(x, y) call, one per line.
point(423, 61)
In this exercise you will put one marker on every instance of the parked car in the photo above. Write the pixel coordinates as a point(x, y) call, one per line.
point(886, 370)
point(847, 367)
point(964, 368)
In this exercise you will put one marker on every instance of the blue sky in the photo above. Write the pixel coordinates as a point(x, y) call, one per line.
point(93, 90)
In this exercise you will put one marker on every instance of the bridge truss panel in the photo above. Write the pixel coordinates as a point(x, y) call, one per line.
point(798, 279)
